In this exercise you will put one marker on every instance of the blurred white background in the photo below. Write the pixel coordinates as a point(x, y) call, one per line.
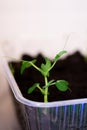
point(34, 26)
point(43, 25)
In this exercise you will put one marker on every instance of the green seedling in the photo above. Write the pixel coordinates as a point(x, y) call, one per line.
point(12, 69)
point(44, 69)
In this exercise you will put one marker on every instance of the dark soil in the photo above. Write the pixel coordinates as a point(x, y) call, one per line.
point(73, 69)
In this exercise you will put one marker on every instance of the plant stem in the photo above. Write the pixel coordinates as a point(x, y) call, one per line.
point(42, 91)
point(52, 66)
point(46, 91)
point(35, 66)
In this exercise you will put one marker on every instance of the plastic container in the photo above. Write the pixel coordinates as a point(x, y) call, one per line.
point(60, 115)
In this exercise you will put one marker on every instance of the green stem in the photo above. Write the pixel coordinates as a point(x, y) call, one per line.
point(42, 91)
point(52, 66)
point(35, 66)
point(46, 91)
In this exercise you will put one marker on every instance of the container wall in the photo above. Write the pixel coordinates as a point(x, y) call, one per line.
point(73, 117)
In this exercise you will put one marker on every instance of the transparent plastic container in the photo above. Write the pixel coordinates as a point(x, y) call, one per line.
point(59, 115)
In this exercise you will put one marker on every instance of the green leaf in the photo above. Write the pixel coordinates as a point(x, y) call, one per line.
point(62, 85)
point(45, 67)
point(26, 64)
point(59, 55)
point(32, 88)
point(12, 68)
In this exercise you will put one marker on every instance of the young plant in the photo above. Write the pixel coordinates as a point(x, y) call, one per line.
point(12, 69)
point(45, 69)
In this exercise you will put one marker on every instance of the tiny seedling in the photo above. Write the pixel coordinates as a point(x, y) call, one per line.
point(44, 69)
point(12, 69)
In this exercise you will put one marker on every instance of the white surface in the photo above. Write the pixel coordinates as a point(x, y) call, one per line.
point(44, 23)
point(41, 18)
point(43, 26)
point(49, 47)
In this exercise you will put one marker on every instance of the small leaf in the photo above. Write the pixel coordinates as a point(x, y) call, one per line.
point(45, 67)
point(62, 85)
point(59, 55)
point(26, 64)
point(32, 88)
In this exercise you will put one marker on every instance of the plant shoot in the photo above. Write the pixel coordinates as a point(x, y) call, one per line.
point(44, 69)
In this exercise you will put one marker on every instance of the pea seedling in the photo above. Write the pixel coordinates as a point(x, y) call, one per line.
point(44, 69)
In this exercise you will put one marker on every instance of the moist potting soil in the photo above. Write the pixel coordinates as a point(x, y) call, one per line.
point(73, 68)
